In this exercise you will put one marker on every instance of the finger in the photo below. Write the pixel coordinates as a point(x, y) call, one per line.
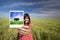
point(20, 27)
point(26, 27)
point(23, 33)
point(24, 30)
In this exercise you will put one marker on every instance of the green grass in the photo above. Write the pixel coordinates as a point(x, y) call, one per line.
point(16, 22)
point(44, 29)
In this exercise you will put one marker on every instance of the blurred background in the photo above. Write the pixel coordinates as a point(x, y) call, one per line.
point(45, 15)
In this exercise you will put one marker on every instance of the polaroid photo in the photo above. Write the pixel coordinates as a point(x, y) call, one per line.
point(16, 19)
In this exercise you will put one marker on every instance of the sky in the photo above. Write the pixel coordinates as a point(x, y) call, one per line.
point(16, 15)
point(35, 8)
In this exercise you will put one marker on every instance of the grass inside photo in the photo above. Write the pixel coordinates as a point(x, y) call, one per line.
point(16, 22)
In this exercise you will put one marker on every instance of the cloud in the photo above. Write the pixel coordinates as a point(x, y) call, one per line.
point(49, 8)
point(42, 5)
point(48, 14)
point(48, 5)
point(19, 4)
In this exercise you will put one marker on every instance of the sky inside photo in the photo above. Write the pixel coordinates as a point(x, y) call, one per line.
point(16, 15)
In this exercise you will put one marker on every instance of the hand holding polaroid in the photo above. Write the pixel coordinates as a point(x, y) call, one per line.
point(16, 19)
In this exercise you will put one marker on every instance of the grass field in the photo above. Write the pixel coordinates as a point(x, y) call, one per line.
point(44, 29)
point(16, 22)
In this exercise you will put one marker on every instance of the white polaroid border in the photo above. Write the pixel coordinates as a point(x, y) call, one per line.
point(15, 26)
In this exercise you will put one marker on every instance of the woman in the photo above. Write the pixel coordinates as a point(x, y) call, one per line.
point(25, 31)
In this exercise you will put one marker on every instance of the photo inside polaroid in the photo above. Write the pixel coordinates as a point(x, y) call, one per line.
point(16, 19)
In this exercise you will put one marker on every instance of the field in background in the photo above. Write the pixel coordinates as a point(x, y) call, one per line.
point(44, 29)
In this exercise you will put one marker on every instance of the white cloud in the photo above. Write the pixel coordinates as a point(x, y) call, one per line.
point(19, 4)
point(20, 17)
point(48, 8)
point(46, 14)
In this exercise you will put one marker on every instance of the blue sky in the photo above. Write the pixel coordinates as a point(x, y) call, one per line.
point(16, 15)
point(13, 14)
point(36, 8)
